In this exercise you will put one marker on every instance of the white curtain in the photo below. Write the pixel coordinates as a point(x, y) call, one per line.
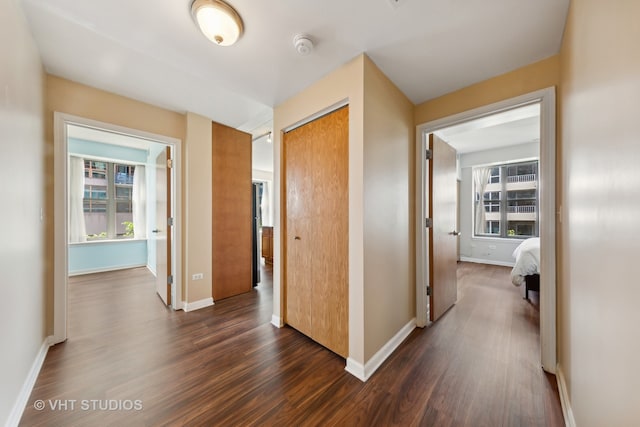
point(265, 203)
point(139, 203)
point(77, 229)
point(480, 181)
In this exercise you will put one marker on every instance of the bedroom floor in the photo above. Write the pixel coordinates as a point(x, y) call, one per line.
point(227, 365)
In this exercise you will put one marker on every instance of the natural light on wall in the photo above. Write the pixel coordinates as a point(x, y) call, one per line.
point(218, 21)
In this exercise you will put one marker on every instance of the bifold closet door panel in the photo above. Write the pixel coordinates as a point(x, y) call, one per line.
point(316, 229)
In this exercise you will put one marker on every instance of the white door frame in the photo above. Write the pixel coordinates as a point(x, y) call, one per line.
point(546, 98)
point(60, 211)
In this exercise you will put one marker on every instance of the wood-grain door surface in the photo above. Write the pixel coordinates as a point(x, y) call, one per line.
point(316, 229)
point(231, 212)
point(443, 235)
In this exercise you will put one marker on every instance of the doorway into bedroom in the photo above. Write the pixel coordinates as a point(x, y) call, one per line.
point(498, 171)
point(505, 154)
point(119, 194)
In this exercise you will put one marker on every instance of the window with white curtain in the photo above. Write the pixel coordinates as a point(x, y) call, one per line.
point(506, 200)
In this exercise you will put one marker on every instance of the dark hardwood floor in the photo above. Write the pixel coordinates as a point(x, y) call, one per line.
point(227, 365)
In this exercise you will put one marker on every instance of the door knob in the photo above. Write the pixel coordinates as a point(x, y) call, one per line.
point(155, 231)
point(297, 238)
point(455, 233)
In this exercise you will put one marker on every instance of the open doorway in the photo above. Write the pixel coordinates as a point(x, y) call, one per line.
point(263, 228)
point(498, 172)
point(103, 219)
point(262, 179)
point(256, 233)
point(543, 225)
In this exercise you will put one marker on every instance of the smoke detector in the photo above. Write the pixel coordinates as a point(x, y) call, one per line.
point(396, 3)
point(303, 44)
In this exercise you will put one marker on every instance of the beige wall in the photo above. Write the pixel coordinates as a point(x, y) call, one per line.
point(198, 225)
point(381, 210)
point(22, 150)
point(539, 75)
point(389, 210)
point(598, 310)
point(74, 98)
point(346, 83)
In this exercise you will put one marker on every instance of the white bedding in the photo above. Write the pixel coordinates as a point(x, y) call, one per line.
point(527, 256)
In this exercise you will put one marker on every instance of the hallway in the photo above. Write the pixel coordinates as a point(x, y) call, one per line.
point(227, 365)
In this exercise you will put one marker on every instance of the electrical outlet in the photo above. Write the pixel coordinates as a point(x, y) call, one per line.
point(197, 276)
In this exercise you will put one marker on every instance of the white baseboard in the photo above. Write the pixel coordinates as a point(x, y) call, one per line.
point(178, 305)
point(356, 369)
point(487, 261)
point(104, 270)
point(29, 382)
point(569, 421)
point(197, 305)
point(364, 372)
point(277, 321)
point(152, 270)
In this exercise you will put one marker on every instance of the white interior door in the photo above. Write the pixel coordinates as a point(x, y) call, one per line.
point(443, 241)
point(162, 231)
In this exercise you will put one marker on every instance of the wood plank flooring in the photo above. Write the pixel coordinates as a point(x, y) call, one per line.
point(226, 365)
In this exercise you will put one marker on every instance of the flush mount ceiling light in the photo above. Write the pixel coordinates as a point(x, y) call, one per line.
point(218, 21)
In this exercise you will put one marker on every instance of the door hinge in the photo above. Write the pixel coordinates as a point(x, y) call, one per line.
point(170, 221)
point(428, 290)
point(428, 222)
point(170, 279)
point(169, 163)
point(429, 154)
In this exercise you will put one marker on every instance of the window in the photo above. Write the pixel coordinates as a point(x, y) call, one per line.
point(509, 203)
point(492, 227)
point(492, 201)
point(494, 175)
point(107, 200)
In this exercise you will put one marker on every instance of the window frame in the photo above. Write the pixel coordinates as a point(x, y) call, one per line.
point(504, 200)
point(111, 201)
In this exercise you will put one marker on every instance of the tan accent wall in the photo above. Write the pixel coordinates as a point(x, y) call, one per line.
point(346, 83)
point(197, 215)
point(598, 313)
point(74, 98)
point(539, 75)
point(389, 209)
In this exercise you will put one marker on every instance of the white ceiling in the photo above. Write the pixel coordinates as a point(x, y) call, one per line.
point(151, 50)
point(108, 137)
point(512, 127)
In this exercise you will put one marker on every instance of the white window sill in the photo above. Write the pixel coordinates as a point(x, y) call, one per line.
point(107, 241)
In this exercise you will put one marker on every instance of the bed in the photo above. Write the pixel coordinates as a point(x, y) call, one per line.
point(527, 268)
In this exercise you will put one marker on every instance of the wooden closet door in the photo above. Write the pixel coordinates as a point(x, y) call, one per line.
point(232, 247)
point(299, 193)
point(316, 230)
